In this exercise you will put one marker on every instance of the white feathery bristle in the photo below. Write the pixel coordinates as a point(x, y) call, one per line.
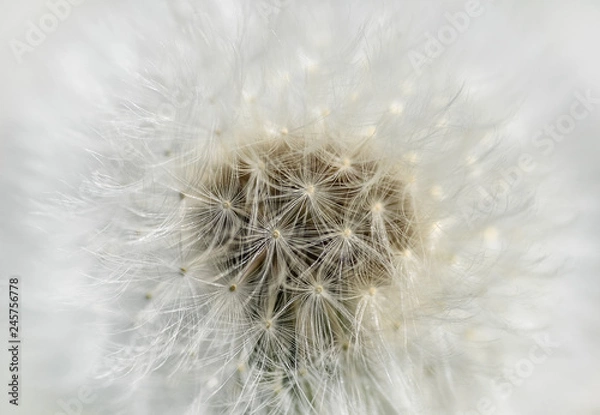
point(305, 207)
point(305, 233)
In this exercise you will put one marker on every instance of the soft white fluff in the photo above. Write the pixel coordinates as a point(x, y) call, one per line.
point(176, 93)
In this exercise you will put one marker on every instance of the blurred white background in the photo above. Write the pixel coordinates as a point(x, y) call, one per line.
point(58, 344)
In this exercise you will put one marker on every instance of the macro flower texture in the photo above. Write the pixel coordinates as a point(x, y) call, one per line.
point(306, 207)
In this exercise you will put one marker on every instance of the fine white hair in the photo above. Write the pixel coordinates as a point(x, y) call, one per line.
point(282, 207)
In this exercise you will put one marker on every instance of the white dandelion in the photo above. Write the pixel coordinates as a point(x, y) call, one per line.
point(303, 236)
point(290, 217)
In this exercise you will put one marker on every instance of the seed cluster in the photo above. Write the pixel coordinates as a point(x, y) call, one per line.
point(300, 231)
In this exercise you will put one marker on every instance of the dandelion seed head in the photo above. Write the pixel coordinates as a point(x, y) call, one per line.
point(313, 239)
point(299, 243)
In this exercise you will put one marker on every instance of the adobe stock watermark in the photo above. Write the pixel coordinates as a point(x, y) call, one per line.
point(581, 107)
point(76, 404)
point(435, 44)
point(515, 376)
point(180, 100)
point(85, 400)
point(270, 8)
point(545, 140)
point(36, 32)
point(175, 112)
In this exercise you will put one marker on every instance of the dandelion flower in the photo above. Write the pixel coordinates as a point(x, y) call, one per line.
point(291, 218)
